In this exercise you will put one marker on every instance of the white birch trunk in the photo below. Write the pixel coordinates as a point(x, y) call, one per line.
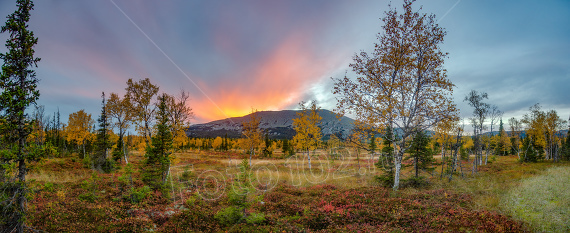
point(397, 165)
point(309, 158)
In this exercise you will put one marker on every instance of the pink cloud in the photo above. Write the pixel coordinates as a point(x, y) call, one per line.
point(276, 82)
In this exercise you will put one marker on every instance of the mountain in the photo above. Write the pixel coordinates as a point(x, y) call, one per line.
point(278, 124)
point(560, 133)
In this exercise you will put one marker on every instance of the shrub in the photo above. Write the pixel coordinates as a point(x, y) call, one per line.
point(108, 165)
point(90, 186)
point(385, 180)
point(229, 216)
point(255, 218)
point(463, 154)
point(416, 182)
point(87, 163)
point(89, 197)
point(186, 175)
point(193, 200)
point(48, 187)
point(139, 194)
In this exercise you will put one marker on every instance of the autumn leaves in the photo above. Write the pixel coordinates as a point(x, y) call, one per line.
point(402, 84)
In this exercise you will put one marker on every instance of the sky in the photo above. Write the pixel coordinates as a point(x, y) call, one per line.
point(235, 56)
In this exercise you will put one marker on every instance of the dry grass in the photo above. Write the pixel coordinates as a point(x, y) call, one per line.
point(543, 201)
point(343, 172)
point(536, 193)
point(58, 177)
point(505, 185)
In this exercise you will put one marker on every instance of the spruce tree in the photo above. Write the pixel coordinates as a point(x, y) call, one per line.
point(267, 152)
point(118, 151)
point(386, 163)
point(566, 145)
point(157, 156)
point(102, 142)
point(529, 150)
point(566, 148)
point(18, 83)
point(420, 153)
point(285, 147)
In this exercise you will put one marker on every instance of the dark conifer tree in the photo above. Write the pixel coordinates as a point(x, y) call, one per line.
point(157, 157)
point(102, 142)
point(386, 162)
point(266, 151)
point(420, 153)
point(18, 84)
point(566, 146)
point(285, 147)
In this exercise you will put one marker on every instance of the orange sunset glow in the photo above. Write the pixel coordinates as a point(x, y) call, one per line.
point(275, 83)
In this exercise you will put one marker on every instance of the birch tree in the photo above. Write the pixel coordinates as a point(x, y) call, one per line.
point(494, 116)
point(480, 114)
point(515, 127)
point(179, 114)
point(402, 84)
point(553, 124)
point(535, 124)
point(444, 131)
point(140, 95)
point(252, 134)
point(308, 134)
point(119, 109)
point(78, 130)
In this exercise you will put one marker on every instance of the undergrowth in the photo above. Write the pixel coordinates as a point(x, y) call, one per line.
point(119, 202)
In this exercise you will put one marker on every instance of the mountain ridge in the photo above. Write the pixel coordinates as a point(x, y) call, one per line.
point(277, 124)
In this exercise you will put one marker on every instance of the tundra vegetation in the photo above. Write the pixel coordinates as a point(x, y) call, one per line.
point(409, 165)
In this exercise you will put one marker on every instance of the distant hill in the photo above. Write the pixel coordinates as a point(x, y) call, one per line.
point(278, 124)
point(562, 133)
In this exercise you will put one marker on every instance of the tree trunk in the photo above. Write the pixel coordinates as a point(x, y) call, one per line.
point(358, 161)
point(416, 165)
point(397, 165)
point(309, 157)
point(146, 133)
point(251, 152)
point(165, 174)
point(124, 151)
point(474, 168)
point(442, 161)
point(486, 154)
point(456, 148)
point(21, 196)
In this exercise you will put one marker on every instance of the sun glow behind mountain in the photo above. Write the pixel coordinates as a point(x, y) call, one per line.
point(277, 82)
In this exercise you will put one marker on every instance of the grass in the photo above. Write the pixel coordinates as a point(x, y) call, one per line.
point(543, 201)
point(346, 190)
point(58, 177)
point(535, 193)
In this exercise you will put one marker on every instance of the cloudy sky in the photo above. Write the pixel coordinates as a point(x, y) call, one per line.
point(270, 55)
